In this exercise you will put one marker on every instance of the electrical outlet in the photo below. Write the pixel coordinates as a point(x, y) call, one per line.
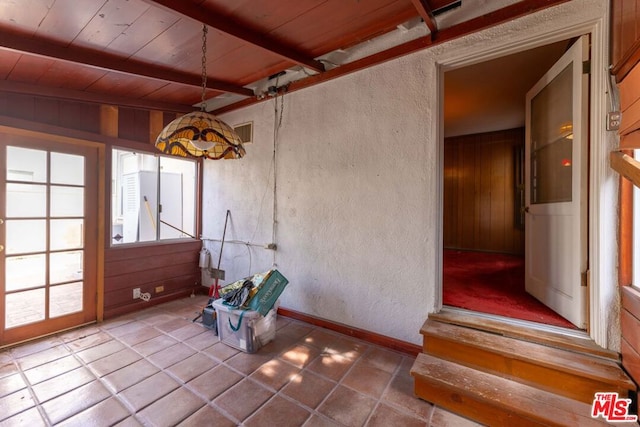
point(159, 289)
point(136, 293)
point(613, 120)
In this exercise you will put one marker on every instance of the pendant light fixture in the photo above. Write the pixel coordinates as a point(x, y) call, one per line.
point(200, 134)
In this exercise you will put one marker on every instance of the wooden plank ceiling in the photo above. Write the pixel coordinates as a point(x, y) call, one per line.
point(148, 53)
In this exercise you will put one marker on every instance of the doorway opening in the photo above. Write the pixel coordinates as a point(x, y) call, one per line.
point(484, 204)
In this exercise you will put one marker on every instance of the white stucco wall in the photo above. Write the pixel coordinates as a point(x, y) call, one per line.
point(357, 186)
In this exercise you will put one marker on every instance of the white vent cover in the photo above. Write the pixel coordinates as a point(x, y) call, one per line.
point(245, 132)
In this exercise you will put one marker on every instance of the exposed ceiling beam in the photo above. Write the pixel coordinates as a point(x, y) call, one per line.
point(109, 62)
point(235, 29)
point(425, 11)
point(90, 97)
point(491, 19)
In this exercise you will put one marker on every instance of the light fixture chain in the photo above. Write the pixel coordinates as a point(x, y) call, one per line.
point(204, 64)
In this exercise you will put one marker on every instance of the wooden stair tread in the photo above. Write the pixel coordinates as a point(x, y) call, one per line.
point(584, 365)
point(509, 328)
point(481, 394)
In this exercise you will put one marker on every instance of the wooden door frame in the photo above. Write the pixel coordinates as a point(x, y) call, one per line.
point(601, 224)
point(30, 130)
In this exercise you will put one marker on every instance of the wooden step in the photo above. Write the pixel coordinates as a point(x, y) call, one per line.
point(574, 340)
point(493, 400)
point(568, 373)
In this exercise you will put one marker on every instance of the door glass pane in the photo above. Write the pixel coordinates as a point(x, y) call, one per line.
point(25, 164)
point(65, 234)
point(67, 169)
point(24, 236)
point(24, 272)
point(65, 299)
point(67, 201)
point(65, 266)
point(24, 307)
point(26, 200)
point(551, 140)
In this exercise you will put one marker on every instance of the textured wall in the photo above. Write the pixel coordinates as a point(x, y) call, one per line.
point(357, 186)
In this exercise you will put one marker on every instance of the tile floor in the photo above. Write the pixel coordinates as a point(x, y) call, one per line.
point(158, 368)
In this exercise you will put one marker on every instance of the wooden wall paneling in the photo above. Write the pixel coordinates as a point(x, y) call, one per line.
point(630, 359)
point(134, 124)
point(625, 36)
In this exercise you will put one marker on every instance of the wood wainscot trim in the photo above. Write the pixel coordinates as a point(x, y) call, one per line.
point(371, 337)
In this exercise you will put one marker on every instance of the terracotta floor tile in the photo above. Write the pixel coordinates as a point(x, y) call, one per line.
point(172, 408)
point(243, 399)
point(127, 328)
point(115, 323)
point(294, 330)
point(221, 351)
point(308, 388)
point(106, 413)
point(113, 362)
point(78, 334)
point(11, 384)
point(90, 340)
point(35, 347)
point(154, 345)
point(278, 412)
point(347, 407)
point(75, 401)
point(140, 335)
point(203, 340)
point(385, 360)
point(129, 375)
point(331, 366)
point(188, 331)
point(129, 422)
point(300, 355)
point(30, 417)
point(444, 418)
point(247, 363)
point(275, 373)
point(207, 416)
point(15, 403)
point(214, 382)
point(367, 379)
point(173, 324)
point(321, 421)
point(51, 369)
point(99, 351)
point(400, 392)
point(62, 384)
point(42, 357)
point(385, 416)
point(155, 317)
point(146, 392)
point(191, 367)
point(171, 355)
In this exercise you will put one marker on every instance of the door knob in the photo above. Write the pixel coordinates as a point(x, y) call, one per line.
point(525, 209)
point(1, 248)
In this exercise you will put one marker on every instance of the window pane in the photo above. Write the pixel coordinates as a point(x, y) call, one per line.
point(24, 164)
point(26, 200)
point(67, 201)
point(66, 234)
point(24, 272)
point(65, 299)
point(67, 169)
point(24, 236)
point(24, 307)
point(65, 266)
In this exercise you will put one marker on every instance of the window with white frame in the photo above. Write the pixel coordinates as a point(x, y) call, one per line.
point(153, 197)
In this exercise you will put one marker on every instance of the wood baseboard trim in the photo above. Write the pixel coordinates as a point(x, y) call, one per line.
point(141, 305)
point(371, 337)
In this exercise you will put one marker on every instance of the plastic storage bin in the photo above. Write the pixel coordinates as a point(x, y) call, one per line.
point(246, 330)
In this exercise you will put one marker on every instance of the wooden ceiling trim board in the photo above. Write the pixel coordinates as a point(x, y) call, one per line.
point(489, 20)
point(95, 98)
point(425, 11)
point(234, 29)
point(110, 62)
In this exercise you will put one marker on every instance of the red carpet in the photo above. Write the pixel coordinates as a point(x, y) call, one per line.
point(494, 284)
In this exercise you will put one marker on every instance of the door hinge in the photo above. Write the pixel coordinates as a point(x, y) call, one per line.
point(586, 67)
point(586, 278)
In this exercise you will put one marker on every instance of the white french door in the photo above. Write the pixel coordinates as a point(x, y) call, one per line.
point(48, 235)
point(555, 186)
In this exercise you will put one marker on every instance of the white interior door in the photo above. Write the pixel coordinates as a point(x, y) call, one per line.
point(555, 186)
